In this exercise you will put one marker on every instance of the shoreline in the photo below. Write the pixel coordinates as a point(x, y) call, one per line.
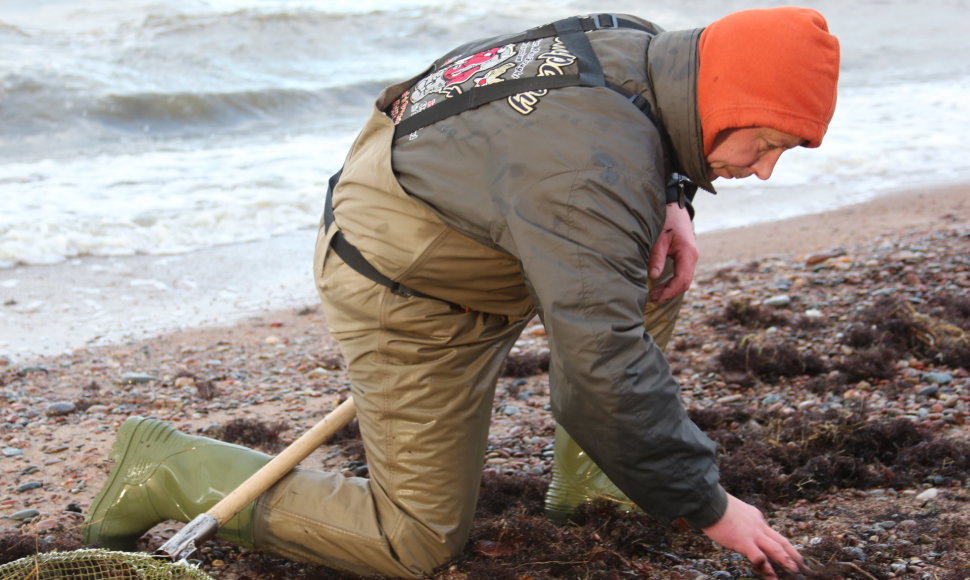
point(91, 302)
point(874, 221)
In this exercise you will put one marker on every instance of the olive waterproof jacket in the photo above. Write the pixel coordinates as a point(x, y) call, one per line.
point(549, 201)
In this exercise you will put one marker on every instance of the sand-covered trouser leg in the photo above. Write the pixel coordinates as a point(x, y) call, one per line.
point(163, 474)
point(423, 377)
point(576, 478)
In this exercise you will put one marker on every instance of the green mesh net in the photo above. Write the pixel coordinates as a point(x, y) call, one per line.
point(94, 564)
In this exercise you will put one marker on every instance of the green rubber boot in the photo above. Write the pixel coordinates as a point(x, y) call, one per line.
point(163, 474)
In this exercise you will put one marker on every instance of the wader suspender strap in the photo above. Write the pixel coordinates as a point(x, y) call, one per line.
point(572, 32)
point(353, 258)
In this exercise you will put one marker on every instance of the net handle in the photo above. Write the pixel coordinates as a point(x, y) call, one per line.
point(280, 465)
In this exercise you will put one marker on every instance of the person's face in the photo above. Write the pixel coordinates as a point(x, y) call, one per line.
point(740, 153)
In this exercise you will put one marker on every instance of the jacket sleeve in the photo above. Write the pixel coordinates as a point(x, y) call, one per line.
point(583, 238)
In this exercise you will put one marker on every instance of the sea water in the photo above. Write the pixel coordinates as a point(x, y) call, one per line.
point(201, 130)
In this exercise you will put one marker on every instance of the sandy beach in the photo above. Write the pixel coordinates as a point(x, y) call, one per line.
point(60, 412)
point(874, 222)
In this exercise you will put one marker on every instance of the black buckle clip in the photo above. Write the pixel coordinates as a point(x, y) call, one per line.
point(680, 189)
point(612, 23)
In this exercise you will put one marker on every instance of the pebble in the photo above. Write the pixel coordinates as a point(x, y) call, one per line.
point(12, 452)
point(47, 526)
point(820, 257)
point(24, 515)
point(29, 486)
point(929, 391)
point(854, 553)
point(183, 382)
point(938, 378)
point(886, 525)
point(928, 494)
point(136, 378)
point(778, 301)
point(771, 399)
point(59, 409)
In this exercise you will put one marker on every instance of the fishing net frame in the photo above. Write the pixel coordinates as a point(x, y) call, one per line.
point(99, 564)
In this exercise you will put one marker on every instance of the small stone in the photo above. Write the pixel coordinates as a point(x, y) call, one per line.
point(59, 409)
point(820, 257)
point(904, 256)
point(318, 373)
point(730, 399)
point(813, 313)
point(24, 515)
point(93, 409)
point(12, 452)
point(136, 378)
point(47, 526)
point(29, 486)
point(778, 301)
point(886, 525)
point(183, 382)
point(854, 553)
point(938, 378)
point(928, 494)
point(929, 391)
point(771, 399)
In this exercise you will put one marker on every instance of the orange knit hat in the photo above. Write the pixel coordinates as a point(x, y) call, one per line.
point(775, 68)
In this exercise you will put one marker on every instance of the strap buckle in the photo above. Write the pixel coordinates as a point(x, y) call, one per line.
point(613, 22)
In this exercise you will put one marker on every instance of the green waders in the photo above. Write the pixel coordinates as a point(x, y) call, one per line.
point(423, 379)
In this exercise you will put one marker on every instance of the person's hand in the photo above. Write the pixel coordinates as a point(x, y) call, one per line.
point(676, 241)
point(743, 529)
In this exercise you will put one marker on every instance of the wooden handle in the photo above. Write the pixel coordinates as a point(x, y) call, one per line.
point(280, 465)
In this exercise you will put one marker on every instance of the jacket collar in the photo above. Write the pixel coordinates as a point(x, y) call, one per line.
point(672, 66)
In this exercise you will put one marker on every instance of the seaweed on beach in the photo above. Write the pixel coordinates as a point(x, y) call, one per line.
point(895, 324)
point(805, 455)
point(526, 364)
point(769, 358)
point(252, 433)
point(746, 314)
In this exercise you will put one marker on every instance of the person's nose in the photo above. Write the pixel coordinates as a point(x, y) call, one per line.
point(764, 167)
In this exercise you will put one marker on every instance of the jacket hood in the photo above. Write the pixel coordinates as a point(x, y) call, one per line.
point(672, 67)
point(775, 67)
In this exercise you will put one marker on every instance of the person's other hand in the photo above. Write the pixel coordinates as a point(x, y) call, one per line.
point(676, 241)
point(743, 529)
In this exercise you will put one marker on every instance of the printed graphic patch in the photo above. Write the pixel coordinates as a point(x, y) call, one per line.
point(448, 80)
point(553, 62)
point(541, 57)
